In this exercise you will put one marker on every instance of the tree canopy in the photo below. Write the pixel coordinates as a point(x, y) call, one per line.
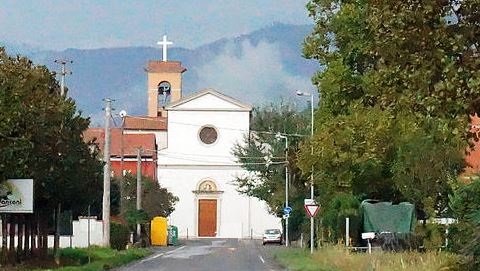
point(398, 83)
point(41, 137)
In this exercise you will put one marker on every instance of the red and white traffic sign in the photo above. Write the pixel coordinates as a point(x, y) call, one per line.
point(312, 209)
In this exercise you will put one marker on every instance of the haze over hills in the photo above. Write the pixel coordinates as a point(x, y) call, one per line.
point(259, 68)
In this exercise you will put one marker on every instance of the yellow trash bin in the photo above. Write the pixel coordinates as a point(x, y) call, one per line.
point(158, 231)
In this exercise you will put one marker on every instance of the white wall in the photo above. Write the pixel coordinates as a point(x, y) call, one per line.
point(184, 145)
point(187, 161)
point(237, 214)
point(80, 234)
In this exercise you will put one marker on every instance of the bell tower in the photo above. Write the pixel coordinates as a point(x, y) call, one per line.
point(164, 82)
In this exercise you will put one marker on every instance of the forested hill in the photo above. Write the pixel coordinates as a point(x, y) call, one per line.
point(257, 68)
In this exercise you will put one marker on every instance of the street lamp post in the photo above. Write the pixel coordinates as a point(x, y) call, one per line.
point(278, 137)
point(123, 115)
point(300, 93)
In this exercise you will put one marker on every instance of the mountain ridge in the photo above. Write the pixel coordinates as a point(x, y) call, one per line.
point(261, 67)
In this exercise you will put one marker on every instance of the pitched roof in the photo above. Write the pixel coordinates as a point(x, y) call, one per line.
point(186, 99)
point(165, 66)
point(145, 123)
point(131, 142)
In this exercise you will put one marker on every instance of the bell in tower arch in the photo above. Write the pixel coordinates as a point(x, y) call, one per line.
point(164, 91)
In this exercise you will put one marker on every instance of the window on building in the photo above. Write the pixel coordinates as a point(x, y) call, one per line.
point(208, 135)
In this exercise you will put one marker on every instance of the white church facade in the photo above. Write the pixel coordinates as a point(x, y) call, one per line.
point(195, 161)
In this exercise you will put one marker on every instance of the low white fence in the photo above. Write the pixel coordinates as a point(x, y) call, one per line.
point(86, 231)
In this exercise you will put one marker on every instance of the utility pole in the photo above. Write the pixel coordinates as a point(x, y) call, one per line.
point(286, 189)
point(139, 187)
point(286, 215)
point(106, 175)
point(64, 71)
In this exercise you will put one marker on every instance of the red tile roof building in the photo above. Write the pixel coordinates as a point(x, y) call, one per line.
point(131, 143)
point(472, 158)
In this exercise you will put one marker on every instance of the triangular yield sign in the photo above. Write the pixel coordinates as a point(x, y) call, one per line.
point(312, 209)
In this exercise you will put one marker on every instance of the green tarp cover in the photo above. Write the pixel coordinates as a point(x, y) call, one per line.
point(388, 217)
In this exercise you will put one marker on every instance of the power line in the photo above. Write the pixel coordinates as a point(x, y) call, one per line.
point(186, 158)
point(223, 128)
point(212, 155)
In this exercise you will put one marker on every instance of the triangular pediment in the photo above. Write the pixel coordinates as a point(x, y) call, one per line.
point(208, 100)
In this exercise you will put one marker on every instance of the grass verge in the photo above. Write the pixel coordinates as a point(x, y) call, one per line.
point(84, 259)
point(333, 258)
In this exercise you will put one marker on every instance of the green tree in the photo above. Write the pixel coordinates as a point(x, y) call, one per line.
point(41, 138)
point(399, 80)
point(263, 154)
point(156, 200)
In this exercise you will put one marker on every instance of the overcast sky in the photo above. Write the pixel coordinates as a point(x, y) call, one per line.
point(58, 24)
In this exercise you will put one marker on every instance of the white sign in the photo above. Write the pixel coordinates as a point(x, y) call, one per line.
point(16, 196)
point(368, 235)
point(309, 202)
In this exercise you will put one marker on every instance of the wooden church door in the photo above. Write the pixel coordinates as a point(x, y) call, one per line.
point(207, 217)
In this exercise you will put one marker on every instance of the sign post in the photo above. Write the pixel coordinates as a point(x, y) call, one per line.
point(311, 207)
point(286, 214)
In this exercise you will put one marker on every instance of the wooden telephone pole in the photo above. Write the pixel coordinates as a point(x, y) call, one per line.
point(106, 176)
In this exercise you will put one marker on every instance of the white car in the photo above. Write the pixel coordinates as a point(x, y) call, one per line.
point(272, 236)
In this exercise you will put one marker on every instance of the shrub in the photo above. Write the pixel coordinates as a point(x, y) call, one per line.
point(339, 207)
point(76, 256)
point(465, 204)
point(431, 235)
point(119, 236)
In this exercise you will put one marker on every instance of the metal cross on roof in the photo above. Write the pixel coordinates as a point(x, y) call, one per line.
point(164, 43)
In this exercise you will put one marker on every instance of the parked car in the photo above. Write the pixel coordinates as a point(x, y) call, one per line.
point(272, 236)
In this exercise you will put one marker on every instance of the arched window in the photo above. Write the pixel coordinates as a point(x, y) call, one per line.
point(164, 91)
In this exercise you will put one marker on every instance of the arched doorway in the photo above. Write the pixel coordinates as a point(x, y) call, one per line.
point(207, 196)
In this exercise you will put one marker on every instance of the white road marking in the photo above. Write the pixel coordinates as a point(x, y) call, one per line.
point(152, 257)
point(261, 259)
point(161, 254)
point(175, 250)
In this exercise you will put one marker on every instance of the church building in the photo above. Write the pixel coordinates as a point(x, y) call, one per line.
point(194, 136)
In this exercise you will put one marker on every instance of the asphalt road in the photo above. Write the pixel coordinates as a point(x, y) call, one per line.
point(209, 254)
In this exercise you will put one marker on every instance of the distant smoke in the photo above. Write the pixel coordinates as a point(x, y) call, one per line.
point(252, 74)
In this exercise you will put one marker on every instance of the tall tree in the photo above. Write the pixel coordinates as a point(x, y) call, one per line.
point(399, 81)
point(263, 154)
point(41, 138)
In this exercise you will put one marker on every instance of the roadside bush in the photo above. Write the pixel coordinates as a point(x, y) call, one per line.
point(432, 236)
point(119, 236)
point(341, 206)
point(465, 204)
